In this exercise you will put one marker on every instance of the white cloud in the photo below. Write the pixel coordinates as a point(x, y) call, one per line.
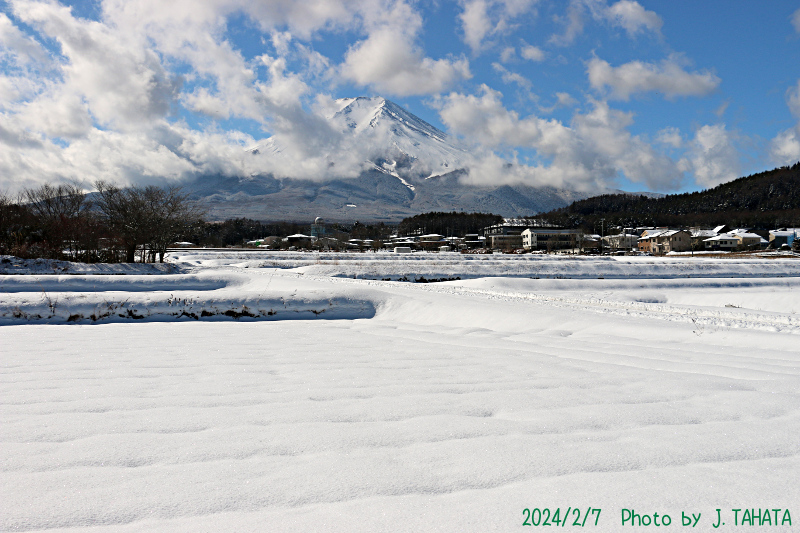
point(389, 62)
point(793, 99)
point(475, 23)
point(796, 20)
point(574, 25)
point(508, 54)
point(15, 42)
point(626, 14)
point(670, 136)
point(633, 17)
point(111, 94)
point(785, 147)
point(713, 157)
point(667, 77)
point(562, 100)
point(588, 154)
point(123, 83)
point(483, 19)
point(532, 53)
point(512, 77)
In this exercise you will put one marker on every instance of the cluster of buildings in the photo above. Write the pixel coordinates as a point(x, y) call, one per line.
point(522, 234)
point(722, 238)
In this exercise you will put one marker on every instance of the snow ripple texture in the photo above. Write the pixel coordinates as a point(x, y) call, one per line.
point(420, 407)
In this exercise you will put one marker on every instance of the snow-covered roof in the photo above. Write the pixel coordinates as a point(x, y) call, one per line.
point(721, 237)
point(298, 236)
point(704, 232)
point(746, 235)
point(662, 233)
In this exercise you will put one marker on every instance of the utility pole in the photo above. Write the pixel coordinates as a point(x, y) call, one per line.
point(602, 222)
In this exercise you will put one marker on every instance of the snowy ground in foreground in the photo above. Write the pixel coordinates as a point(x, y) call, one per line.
point(438, 407)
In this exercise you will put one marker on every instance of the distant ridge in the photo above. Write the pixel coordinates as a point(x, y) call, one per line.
point(765, 200)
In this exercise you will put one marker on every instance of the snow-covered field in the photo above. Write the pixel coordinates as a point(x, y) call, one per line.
point(299, 392)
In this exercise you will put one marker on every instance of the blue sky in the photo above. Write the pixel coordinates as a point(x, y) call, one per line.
point(585, 94)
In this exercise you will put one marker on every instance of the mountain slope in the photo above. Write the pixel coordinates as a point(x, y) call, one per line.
point(407, 166)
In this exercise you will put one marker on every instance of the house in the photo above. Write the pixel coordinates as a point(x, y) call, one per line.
point(721, 229)
point(473, 240)
point(298, 238)
point(748, 240)
point(432, 241)
point(622, 241)
point(787, 236)
point(529, 239)
point(700, 235)
point(663, 241)
point(723, 242)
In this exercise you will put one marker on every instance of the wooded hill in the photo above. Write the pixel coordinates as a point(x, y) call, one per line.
point(766, 200)
point(447, 224)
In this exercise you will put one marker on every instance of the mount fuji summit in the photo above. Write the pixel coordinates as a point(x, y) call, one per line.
point(380, 163)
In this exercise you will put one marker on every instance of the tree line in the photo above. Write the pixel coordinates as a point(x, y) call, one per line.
point(761, 201)
point(448, 224)
point(110, 225)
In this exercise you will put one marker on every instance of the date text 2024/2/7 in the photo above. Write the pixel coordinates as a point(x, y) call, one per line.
point(546, 517)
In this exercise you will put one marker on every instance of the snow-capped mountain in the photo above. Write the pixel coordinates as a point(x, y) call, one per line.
point(416, 144)
point(387, 137)
point(380, 161)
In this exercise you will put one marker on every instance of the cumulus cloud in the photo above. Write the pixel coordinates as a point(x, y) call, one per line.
point(713, 156)
point(793, 99)
point(103, 109)
point(507, 54)
point(626, 14)
point(632, 17)
point(122, 82)
point(15, 43)
point(574, 24)
point(667, 77)
point(785, 147)
point(562, 100)
point(512, 77)
point(483, 19)
point(670, 136)
point(475, 23)
point(591, 152)
point(389, 62)
point(532, 53)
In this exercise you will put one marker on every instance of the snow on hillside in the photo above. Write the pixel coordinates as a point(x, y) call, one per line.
point(413, 407)
point(387, 137)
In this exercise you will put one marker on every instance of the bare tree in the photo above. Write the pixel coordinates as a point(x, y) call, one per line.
point(150, 217)
point(59, 212)
point(124, 212)
point(171, 215)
